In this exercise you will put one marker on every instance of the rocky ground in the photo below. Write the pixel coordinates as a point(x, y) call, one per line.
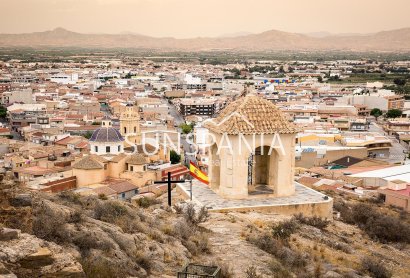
point(66, 235)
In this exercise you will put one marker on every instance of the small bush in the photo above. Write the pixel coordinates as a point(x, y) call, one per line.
point(279, 270)
point(226, 270)
point(314, 221)
point(100, 269)
point(285, 229)
point(251, 272)
point(266, 242)
point(76, 217)
point(146, 202)
point(143, 261)
point(377, 225)
point(375, 268)
point(71, 196)
point(179, 209)
point(102, 196)
point(109, 211)
point(194, 217)
point(48, 225)
point(182, 230)
point(198, 244)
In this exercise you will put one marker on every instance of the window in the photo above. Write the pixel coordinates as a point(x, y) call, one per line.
point(135, 129)
point(123, 195)
point(125, 130)
point(96, 149)
point(131, 168)
point(107, 149)
point(119, 148)
point(136, 191)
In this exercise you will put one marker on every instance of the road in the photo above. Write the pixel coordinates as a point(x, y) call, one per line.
point(178, 119)
point(396, 151)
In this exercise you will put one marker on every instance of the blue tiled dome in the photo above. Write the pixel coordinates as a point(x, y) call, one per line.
point(106, 134)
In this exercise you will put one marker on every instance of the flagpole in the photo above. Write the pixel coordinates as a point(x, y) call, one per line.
point(190, 187)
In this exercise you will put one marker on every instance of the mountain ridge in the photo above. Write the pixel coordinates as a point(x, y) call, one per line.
point(397, 40)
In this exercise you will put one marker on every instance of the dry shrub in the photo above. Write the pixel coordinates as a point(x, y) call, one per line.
point(226, 269)
point(101, 269)
point(71, 197)
point(167, 229)
point(85, 241)
point(314, 221)
point(183, 230)
point(143, 261)
point(179, 209)
point(102, 196)
point(275, 244)
point(386, 228)
point(251, 272)
point(76, 217)
point(110, 211)
point(375, 268)
point(156, 235)
point(279, 270)
point(265, 241)
point(146, 202)
point(198, 244)
point(49, 225)
point(194, 217)
point(285, 229)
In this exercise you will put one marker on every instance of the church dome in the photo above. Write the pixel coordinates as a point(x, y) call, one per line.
point(106, 134)
point(251, 115)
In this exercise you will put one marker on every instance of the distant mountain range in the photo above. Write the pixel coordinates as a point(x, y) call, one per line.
point(394, 40)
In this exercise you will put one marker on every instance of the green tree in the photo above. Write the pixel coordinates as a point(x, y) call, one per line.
point(376, 112)
point(88, 134)
point(175, 157)
point(186, 128)
point(3, 111)
point(394, 113)
point(399, 82)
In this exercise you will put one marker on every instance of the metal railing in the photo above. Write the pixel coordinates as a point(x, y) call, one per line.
point(199, 271)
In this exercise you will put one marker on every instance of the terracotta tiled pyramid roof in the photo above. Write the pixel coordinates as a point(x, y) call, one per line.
point(90, 162)
point(137, 159)
point(251, 115)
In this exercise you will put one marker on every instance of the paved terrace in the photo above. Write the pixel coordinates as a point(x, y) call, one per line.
point(203, 195)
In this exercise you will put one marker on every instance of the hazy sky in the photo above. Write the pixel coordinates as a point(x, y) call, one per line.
point(193, 18)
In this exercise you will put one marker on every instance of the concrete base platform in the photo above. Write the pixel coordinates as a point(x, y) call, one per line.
point(306, 201)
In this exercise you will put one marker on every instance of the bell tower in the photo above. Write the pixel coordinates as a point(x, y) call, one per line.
point(130, 124)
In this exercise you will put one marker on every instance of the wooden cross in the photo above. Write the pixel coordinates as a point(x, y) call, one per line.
point(169, 181)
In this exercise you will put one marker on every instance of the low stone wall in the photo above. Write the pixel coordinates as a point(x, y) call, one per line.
point(323, 210)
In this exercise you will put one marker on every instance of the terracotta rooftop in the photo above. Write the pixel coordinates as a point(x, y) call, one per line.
point(104, 190)
point(90, 162)
point(123, 186)
point(251, 115)
point(137, 159)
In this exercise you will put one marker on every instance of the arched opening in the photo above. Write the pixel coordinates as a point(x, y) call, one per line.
point(261, 175)
point(214, 169)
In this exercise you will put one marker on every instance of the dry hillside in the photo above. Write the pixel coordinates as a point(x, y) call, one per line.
point(67, 235)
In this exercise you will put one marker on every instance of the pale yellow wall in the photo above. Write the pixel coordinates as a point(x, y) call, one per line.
point(233, 172)
point(140, 179)
point(115, 169)
point(87, 177)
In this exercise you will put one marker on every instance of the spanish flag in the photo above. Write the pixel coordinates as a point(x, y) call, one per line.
point(198, 174)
